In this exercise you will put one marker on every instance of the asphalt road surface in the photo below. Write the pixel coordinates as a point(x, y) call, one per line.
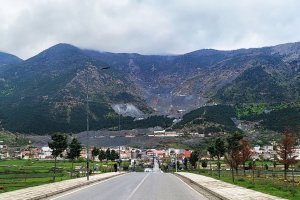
point(135, 186)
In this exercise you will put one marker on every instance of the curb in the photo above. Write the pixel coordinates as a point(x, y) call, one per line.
point(73, 187)
point(58, 190)
point(201, 186)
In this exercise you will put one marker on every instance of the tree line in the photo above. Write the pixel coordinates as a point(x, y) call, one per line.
point(59, 143)
point(236, 151)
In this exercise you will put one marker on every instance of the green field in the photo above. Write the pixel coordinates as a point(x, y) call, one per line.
point(267, 181)
point(18, 174)
point(274, 185)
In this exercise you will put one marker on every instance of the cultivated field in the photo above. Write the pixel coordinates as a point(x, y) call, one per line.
point(18, 174)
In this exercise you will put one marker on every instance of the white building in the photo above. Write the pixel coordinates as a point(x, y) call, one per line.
point(46, 153)
point(297, 152)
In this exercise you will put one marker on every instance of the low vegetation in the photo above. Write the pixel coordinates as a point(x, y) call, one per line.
point(276, 117)
point(210, 115)
point(12, 139)
point(18, 174)
point(277, 176)
point(267, 181)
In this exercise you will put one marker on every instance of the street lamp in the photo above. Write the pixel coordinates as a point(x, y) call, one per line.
point(176, 162)
point(119, 133)
point(87, 121)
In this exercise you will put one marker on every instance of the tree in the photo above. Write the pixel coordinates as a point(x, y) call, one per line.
point(58, 145)
point(194, 158)
point(108, 154)
point(95, 153)
point(114, 155)
point(74, 150)
point(233, 154)
point(253, 167)
point(245, 152)
point(237, 160)
point(204, 163)
point(101, 155)
point(185, 163)
point(212, 152)
point(286, 152)
point(219, 152)
point(108, 157)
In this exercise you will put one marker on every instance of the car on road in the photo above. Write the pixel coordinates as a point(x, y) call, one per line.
point(148, 170)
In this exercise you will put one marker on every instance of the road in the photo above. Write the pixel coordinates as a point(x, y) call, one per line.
point(135, 186)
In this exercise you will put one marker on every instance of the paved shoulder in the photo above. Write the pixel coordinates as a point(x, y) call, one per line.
point(226, 190)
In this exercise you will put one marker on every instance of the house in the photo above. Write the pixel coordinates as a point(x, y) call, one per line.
point(4, 153)
point(187, 153)
point(150, 153)
point(46, 153)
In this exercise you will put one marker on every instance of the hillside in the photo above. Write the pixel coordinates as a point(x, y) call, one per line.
point(277, 117)
point(47, 92)
point(7, 59)
point(208, 119)
point(254, 85)
point(190, 80)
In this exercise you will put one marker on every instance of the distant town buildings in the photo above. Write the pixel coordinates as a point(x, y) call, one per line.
point(267, 152)
point(163, 133)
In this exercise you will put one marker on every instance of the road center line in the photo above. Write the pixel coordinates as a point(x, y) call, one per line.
point(137, 187)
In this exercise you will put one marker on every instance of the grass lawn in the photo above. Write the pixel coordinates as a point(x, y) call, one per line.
point(18, 174)
point(274, 185)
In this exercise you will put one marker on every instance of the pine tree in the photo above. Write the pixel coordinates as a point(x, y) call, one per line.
point(102, 155)
point(74, 150)
point(58, 145)
point(108, 154)
point(95, 153)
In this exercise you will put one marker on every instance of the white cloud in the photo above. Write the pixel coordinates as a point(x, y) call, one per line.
point(148, 27)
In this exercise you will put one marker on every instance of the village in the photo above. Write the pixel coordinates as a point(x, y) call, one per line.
point(127, 153)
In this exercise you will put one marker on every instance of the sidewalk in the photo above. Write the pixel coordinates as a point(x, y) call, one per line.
point(225, 190)
point(46, 190)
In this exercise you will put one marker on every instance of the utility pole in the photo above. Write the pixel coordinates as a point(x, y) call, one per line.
point(176, 162)
point(119, 133)
point(87, 122)
point(87, 128)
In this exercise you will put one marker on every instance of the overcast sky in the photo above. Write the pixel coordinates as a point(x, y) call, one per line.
point(146, 26)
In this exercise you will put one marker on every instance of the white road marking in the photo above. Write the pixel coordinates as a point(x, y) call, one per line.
point(186, 184)
point(137, 187)
point(86, 187)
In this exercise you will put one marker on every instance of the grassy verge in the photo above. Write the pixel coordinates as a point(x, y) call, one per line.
point(272, 184)
point(18, 174)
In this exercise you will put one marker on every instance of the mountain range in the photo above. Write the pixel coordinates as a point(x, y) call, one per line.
point(47, 93)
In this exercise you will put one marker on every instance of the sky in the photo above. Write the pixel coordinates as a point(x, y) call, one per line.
point(27, 27)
